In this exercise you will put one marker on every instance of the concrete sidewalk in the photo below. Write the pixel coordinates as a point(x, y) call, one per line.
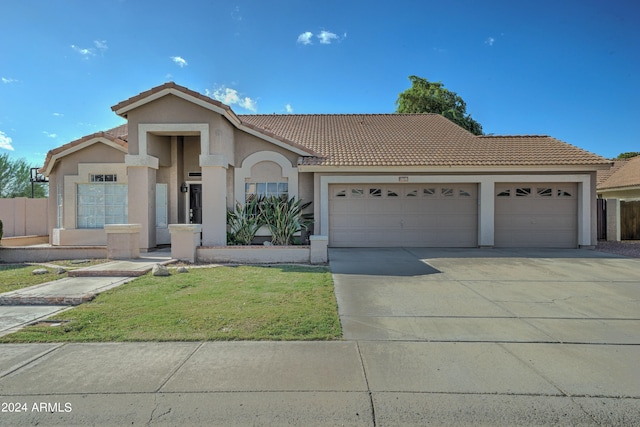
point(23, 306)
point(320, 383)
point(451, 338)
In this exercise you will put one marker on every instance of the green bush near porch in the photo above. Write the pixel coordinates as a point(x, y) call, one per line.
point(282, 216)
point(222, 303)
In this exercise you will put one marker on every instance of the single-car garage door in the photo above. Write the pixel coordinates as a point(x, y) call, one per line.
point(536, 215)
point(429, 215)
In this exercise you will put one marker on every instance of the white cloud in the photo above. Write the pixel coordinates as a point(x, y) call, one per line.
point(288, 108)
point(235, 14)
point(50, 135)
point(305, 38)
point(490, 41)
point(6, 80)
point(326, 37)
point(180, 61)
point(58, 114)
point(5, 141)
point(101, 45)
point(230, 97)
point(86, 53)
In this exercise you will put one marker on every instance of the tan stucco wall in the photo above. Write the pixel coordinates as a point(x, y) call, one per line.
point(24, 217)
point(171, 109)
point(247, 144)
point(96, 154)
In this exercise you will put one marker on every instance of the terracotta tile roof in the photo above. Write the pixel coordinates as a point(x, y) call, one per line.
point(604, 174)
point(622, 174)
point(121, 132)
point(413, 140)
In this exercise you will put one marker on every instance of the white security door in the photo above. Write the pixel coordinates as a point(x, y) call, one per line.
point(383, 215)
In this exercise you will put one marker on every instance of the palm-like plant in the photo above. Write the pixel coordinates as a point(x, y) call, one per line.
point(284, 218)
point(244, 222)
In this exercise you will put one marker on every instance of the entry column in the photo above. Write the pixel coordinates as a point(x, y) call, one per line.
point(214, 200)
point(141, 196)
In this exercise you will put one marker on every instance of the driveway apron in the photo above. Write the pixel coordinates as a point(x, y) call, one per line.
point(494, 337)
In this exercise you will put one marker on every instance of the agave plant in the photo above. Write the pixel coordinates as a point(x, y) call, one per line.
point(244, 222)
point(284, 218)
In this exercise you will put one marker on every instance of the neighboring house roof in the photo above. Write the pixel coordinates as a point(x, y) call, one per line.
point(116, 137)
point(625, 173)
point(414, 140)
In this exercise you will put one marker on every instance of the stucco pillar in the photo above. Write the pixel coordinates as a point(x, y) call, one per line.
point(123, 241)
point(141, 171)
point(185, 238)
point(486, 213)
point(318, 252)
point(214, 200)
point(613, 220)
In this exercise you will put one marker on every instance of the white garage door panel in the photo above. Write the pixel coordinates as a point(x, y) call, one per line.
point(536, 215)
point(376, 215)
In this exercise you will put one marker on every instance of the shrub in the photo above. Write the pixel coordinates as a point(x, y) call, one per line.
point(244, 222)
point(284, 218)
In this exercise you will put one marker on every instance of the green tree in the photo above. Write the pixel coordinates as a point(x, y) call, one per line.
point(432, 97)
point(14, 179)
point(628, 155)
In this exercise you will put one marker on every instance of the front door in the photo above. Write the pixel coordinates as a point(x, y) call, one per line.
point(195, 204)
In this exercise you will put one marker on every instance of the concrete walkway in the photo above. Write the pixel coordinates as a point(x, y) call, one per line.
point(24, 306)
point(378, 378)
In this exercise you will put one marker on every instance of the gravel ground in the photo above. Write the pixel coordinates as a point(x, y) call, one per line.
point(630, 248)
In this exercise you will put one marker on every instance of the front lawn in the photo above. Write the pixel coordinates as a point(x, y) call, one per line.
point(223, 303)
point(17, 276)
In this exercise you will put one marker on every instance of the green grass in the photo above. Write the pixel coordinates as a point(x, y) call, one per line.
point(17, 276)
point(223, 303)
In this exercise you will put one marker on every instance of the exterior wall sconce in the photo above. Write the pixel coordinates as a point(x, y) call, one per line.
point(184, 188)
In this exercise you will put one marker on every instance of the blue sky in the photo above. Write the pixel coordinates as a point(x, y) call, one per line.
point(565, 68)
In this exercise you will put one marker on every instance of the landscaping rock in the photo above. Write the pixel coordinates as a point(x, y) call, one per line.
point(182, 270)
point(160, 270)
point(60, 270)
point(40, 271)
point(267, 243)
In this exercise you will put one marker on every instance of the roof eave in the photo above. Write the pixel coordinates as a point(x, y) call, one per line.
point(450, 168)
point(54, 155)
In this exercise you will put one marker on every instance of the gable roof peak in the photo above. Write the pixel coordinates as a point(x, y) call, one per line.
point(170, 88)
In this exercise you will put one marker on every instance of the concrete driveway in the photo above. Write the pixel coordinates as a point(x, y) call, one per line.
point(494, 337)
point(487, 295)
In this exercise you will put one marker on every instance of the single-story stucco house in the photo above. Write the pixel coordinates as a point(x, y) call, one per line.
point(376, 180)
point(620, 187)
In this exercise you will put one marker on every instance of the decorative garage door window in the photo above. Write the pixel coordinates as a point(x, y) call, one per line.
point(101, 203)
point(398, 191)
point(257, 189)
point(537, 192)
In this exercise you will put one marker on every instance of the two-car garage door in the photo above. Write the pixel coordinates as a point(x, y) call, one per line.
point(377, 215)
point(446, 215)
